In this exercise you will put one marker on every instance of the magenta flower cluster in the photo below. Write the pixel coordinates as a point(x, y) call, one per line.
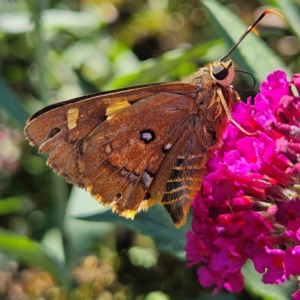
point(249, 204)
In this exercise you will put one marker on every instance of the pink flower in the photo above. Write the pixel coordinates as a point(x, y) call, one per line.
point(249, 203)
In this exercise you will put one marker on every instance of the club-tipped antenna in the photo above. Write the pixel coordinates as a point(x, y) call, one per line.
point(253, 78)
point(250, 28)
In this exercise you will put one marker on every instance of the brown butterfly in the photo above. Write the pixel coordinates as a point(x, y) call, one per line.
point(141, 145)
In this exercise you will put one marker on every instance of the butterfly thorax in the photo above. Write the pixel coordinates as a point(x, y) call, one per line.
point(212, 120)
point(216, 75)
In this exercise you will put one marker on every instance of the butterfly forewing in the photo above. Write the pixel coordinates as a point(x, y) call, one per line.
point(124, 146)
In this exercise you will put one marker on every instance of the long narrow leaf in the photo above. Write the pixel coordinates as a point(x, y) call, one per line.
point(265, 291)
point(252, 55)
point(152, 70)
point(30, 252)
point(155, 223)
point(290, 11)
point(10, 205)
point(9, 103)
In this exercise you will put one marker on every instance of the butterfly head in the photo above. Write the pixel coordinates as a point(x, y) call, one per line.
point(222, 72)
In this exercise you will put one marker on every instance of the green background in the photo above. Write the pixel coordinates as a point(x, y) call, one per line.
point(56, 50)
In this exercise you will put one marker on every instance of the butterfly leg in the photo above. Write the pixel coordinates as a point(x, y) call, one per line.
point(229, 116)
point(229, 197)
point(236, 95)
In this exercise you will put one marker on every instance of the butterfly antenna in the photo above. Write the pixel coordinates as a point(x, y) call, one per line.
point(248, 73)
point(250, 28)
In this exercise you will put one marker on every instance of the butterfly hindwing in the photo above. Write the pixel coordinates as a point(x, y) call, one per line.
point(181, 171)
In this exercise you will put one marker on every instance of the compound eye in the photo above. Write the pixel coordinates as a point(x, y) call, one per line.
point(219, 72)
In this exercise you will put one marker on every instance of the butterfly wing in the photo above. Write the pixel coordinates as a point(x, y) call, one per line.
point(132, 147)
point(61, 128)
point(182, 172)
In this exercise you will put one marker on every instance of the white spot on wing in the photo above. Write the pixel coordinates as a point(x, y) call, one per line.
point(146, 180)
point(146, 136)
point(167, 147)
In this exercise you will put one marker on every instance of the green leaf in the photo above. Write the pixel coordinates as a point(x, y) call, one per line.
point(155, 70)
point(221, 295)
point(53, 242)
point(86, 86)
point(10, 205)
point(155, 223)
point(62, 19)
point(52, 19)
point(291, 13)
point(252, 55)
point(82, 234)
point(15, 22)
point(11, 104)
point(264, 291)
point(30, 252)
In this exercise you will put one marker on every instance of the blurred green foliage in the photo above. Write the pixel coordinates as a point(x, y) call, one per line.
point(58, 243)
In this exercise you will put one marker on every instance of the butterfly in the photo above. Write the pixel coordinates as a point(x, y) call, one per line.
point(134, 147)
